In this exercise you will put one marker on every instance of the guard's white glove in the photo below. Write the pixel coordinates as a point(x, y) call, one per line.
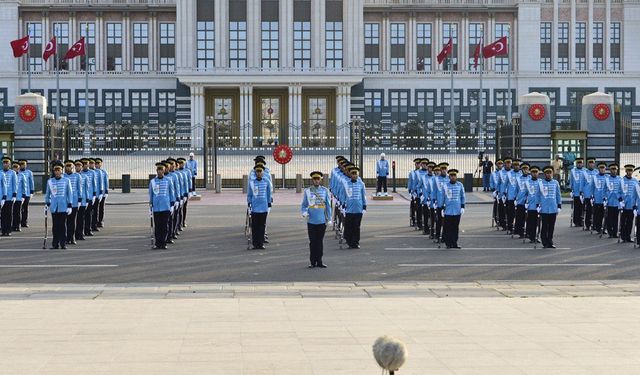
point(435, 205)
point(106, 195)
point(305, 214)
point(176, 205)
point(364, 212)
point(539, 209)
point(494, 194)
point(461, 211)
point(13, 200)
point(526, 206)
point(329, 222)
point(269, 210)
point(559, 210)
point(172, 209)
point(93, 200)
point(31, 196)
point(635, 213)
point(2, 203)
point(581, 199)
point(422, 199)
point(69, 211)
point(101, 196)
point(504, 199)
point(621, 205)
point(442, 212)
point(21, 199)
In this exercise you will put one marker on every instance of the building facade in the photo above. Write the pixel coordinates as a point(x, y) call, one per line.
point(287, 71)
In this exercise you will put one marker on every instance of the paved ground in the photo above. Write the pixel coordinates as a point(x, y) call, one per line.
point(213, 249)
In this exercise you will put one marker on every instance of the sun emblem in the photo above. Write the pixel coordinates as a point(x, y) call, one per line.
point(601, 111)
point(28, 113)
point(536, 112)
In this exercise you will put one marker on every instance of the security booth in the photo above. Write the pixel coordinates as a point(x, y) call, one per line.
point(29, 134)
point(598, 123)
point(535, 128)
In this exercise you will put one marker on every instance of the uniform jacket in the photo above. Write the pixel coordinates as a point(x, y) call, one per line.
point(97, 182)
point(588, 185)
point(504, 181)
point(614, 191)
point(576, 180)
point(628, 187)
point(355, 196)
point(316, 204)
point(3, 187)
point(192, 165)
point(59, 195)
point(599, 188)
point(175, 182)
point(11, 183)
point(90, 184)
point(495, 182)
point(382, 168)
point(161, 194)
point(454, 198)
point(521, 197)
point(440, 181)
point(77, 191)
point(410, 180)
point(23, 189)
point(549, 197)
point(259, 195)
point(105, 180)
point(30, 184)
point(513, 186)
point(418, 181)
point(532, 187)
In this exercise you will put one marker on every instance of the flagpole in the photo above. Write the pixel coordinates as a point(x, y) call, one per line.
point(57, 66)
point(86, 76)
point(510, 101)
point(451, 96)
point(480, 97)
point(28, 60)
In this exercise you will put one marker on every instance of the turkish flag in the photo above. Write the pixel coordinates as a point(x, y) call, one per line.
point(20, 46)
point(446, 51)
point(497, 48)
point(50, 49)
point(75, 50)
point(476, 55)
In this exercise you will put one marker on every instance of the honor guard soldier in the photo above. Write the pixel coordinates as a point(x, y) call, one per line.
point(31, 190)
point(355, 199)
point(21, 194)
point(192, 166)
point(90, 185)
point(629, 198)
point(11, 193)
point(426, 187)
point(173, 218)
point(183, 195)
point(83, 199)
point(382, 171)
point(189, 178)
point(599, 196)
point(453, 209)
point(587, 192)
point(105, 191)
point(521, 200)
point(59, 200)
point(162, 205)
point(99, 188)
point(3, 194)
point(614, 200)
point(532, 187)
point(549, 206)
point(441, 180)
point(316, 208)
point(259, 202)
point(432, 199)
point(576, 181)
point(418, 187)
point(77, 194)
point(413, 207)
point(495, 184)
point(509, 190)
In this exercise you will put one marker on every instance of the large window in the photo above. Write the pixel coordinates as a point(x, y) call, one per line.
point(166, 105)
point(34, 29)
point(475, 38)
point(398, 36)
point(270, 55)
point(563, 46)
point(423, 45)
point(88, 31)
point(65, 101)
point(302, 44)
point(446, 97)
point(450, 31)
point(113, 100)
point(373, 100)
point(502, 62)
point(581, 46)
point(238, 44)
point(598, 45)
point(318, 121)
point(425, 99)
point(270, 117)
point(206, 44)
point(167, 47)
point(61, 32)
point(333, 34)
point(371, 47)
point(140, 102)
point(140, 47)
point(614, 45)
point(114, 46)
point(545, 46)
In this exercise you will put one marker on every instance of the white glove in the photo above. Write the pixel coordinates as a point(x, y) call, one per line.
point(539, 209)
point(69, 210)
point(504, 199)
point(172, 209)
point(494, 194)
point(635, 213)
point(329, 222)
point(93, 200)
point(31, 196)
point(1, 203)
point(100, 197)
point(364, 212)
point(21, 200)
point(559, 210)
point(461, 211)
point(422, 199)
point(442, 212)
point(435, 205)
point(106, 195)
point(13, 200)
point(305, 214)
point(526, 206)
point(176, 205)
point(269, 210)
point(621, 205)
point(581, 199)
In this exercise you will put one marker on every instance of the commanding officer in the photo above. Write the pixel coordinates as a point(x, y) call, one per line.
point(413, 207)
point(259, 202)
point(550, 205)
point(599, 196)
point(521, 200)
point(161, 202)
point(31, 190)
point(453, 204)
point(83, 198)
point(105, 191)
point(77, 193)
point(511, 192)
point(11, 192)
point(316, 207)
point(532, 187)
point(59, 199)
point(90, 185)
point(495, 184)
point(382, 171)
point(576, 181)
point(614, 200)
point(192, 166)
point(355, 199)
point(21, 194)
point(587, 192)
point(628, 186)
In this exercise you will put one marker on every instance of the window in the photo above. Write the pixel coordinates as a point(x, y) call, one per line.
point(446, 97)
point(206, 43)
point(114, 33)
point(113, 100)
point(598, 45)
point(475, 38)
point(333, 45)
point(581, 32)
point(563, 63)
point(553, 94)
point(373, 101)
point(472, 97)
point(398, 46)
point(61, 32)
point(501, 97)
point(450, 31)
point(317, 109)
point(581, 46)
point(545, 63)
point(425, 99)
point(423, 41)
point(140, 47)
point(166, 105)
point(140, 64)
point(82, 105)
point(563, 32)
point(371, 47)
point(114, 46)
point(563, 46)
point(270, 116)
point(545, 32)
point(167, 33)
point(397, 33)
point(140, 33)
point(88, 31)
point(65, 101)
point(140, 102)
point(624, 97)
point(614, 45)
point(302, 44)
point(34, 29)
point(238, 44)
point(167, 47)
point(3, 97)
point(545, 46)
point(502, 62)
point(398, 100)
point(270, 44)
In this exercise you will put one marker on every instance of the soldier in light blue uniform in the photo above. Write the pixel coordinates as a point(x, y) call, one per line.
point(495, 185)
point(549, 206)
point(599, 196)
point(629, 198)
point(192, 166)
point(587, 192)
point(105, 191)
point(511, 192)
point(453, 208)
point(531, 190)
point(83, 198)
point(99, 189)
point(77, 193)
point(316, 208)
point(415, 202)
point(614, 200)
point(432, 198)
point(576, 182)
point(11, 191)
point(162, 205)
point(187, 173)
point(90, 184)
point(21, 194)
point(438, 204)
point(425, 188)
point(520, 201)
point(59, 200)
point(382, 172)
point(418, 188)
point(3, 193)
point(355, 200)
point(259, 202)
point(30, 183)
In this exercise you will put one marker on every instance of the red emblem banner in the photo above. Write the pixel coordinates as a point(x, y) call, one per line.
point(536, 112)
point(601, 111)
point(28, 113)
point(282, 154)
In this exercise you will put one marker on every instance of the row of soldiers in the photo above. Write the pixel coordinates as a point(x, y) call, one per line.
point(437, 201)
point(16, 190)
point(76, 199)
point(169, 194)
point(349, 197)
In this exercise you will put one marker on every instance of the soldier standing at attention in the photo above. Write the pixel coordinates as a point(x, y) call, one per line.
point(192, 166)
point(11, 192)
point(355, 197)
point(629, 199)
point(20, 196)
point(89, 177)
point(438, 204)
point(82, 204)
point(550, 205)
point(614, 200)
point(521, 197)
point(599, 196)
point(413, 206)
point(30, 184)
point(532, 187)
point(259, 202)
point(495, 184)
point(76, 199)
point(587, 192)
point(382, 171)
point(576, 182)
point(59, 199)
point(105, 191)
point(316, 207)
point(453, 209)
point(161, 201)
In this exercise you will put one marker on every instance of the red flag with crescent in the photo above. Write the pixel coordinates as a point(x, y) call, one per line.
point(50, 49)
point(476, 55)
point(76, 50)
point(497, 48)
point(20, 46)
point(446, 51)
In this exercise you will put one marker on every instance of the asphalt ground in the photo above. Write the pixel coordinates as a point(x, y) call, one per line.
point(214, 249)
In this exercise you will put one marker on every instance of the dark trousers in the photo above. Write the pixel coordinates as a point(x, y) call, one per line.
point(425, 218)
point(518, 225)
point(438, 215)
point(637, 234)
point(510, 213)
point(59, 228)
point(80, 223)
point(626, 223)
point(17, 215)
point(450, 231)
point(71, 224)
point(184, 213)
point(548, 226)
point(532, 224)
point(598, 215)
point(496, 220)
point(316, 236)
point(577, 212)
point(101, 212)
point(612, 221)
point(6, 216)
point(87, 218)
point(94, 215)
point(161, 227)
point(588, 213)
point(25, 212)
point(352, 229)
point(177, 223)
point(485, 181)
point(502, 219)
point(382, 184)
point(193, 183)
point(417, 212)
point(258, 224)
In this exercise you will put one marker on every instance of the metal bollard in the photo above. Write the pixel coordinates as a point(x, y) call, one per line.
point(126, 183)
point(245, 182)
point(218, 183)
point(393, 175)
point(298, 183)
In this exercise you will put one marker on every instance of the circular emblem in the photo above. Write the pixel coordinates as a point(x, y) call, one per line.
point(282, 154)
point(601, 111)
point(536, 112)
point(28, 113)
point(270, 111)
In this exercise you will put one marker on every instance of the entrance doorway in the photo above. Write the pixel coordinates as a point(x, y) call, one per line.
point(569, 145)
point(270, 117)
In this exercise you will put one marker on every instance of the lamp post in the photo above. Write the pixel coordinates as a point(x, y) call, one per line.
point(209, 122)
point(223, 113)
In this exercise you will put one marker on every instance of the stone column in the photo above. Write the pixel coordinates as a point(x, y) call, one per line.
point(221, 32)
point(385, 43)
point(606, 35)
point(154, 42)
point(437, 41)
point(462, 43)
point(101, 43)
point(411, 43)
point(246, 114)
point(254, 45)
point(589, 43)
point(127, 42)
point(554, 36)
point(318, 17)
point(74, 64)
point(285, 27)
point(572, 37)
